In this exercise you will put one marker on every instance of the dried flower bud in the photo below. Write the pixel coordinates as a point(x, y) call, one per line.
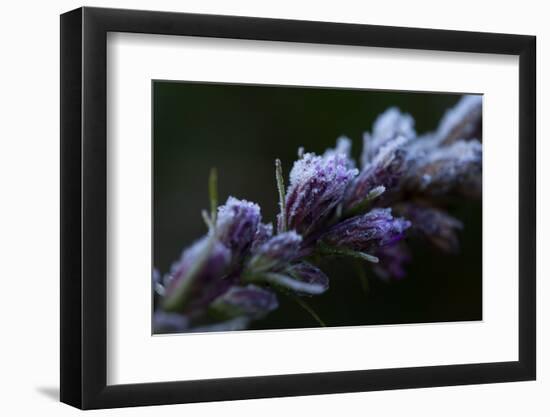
point(367, 232)
point(436, 225)
point(250, 301)
point(391, 261)
point(237, 224)
point(317, 184)
point(196, 278)
point(388, 126)
point(275, 253)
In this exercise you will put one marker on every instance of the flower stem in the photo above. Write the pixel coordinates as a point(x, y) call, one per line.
point(281, 225)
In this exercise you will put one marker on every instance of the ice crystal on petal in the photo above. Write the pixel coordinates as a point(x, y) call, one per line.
point(317, 184)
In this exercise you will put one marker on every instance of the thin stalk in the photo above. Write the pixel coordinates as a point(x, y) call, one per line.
point(281, 226)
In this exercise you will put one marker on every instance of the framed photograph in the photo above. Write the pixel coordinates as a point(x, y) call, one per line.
point(257, 208)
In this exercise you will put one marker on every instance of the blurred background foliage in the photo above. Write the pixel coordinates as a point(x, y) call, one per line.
point(240, 130)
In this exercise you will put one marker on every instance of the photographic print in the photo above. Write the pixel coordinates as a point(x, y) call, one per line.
point(278, 207)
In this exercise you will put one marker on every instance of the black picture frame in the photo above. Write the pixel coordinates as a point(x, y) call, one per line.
point(84, 197)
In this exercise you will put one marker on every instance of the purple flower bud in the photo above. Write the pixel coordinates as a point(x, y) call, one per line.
point(301, 278)
point(196, 278)
point(262, 235)
point(343, 148)
point(436, 225)
point(275, 253)
point(462, 122)
point(388, 126)
point(317, 184)
point(391, 261)
point(456, 167)
point(314, 281)
point(237, 224)
point(385, 170)
point(250, 301)
point(367, 232)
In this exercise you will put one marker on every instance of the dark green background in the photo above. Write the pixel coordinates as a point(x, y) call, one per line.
point(240, 130)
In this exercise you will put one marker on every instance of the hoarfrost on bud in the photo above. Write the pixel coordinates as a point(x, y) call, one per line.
point(385, 170)
point(463, 121)
point(367, 232)
point(276, 252)
point(317, 185)
point(237, 224)
point(302, 278)
point(388, 126)
point(343, 148)
point(456, 167)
